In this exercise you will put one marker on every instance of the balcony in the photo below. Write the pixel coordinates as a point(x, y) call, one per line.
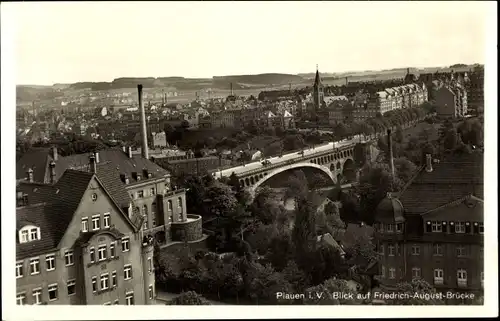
point(188, 230)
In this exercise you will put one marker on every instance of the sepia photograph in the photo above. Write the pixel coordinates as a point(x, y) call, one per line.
point(238, 154)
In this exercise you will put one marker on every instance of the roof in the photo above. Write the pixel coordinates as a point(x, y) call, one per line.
point(454, 177)
point(53, 218)
point(328, 239)
point(37, 192)
point(38, 160)
point(389, 209)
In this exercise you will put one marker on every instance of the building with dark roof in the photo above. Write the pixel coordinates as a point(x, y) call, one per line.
point(86, 224)
point(79, 245)
point(433, 228)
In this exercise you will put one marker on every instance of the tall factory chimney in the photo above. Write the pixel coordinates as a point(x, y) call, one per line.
point(391, 157)
point(163, 97)
point(346, 81)
point(144, 133)
point(231, 89)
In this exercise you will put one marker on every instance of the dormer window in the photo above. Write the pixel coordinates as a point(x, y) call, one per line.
point(29, 233)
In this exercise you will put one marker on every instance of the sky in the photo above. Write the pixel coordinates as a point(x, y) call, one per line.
point(89, 41)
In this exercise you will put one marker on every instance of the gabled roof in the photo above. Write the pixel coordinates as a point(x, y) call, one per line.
point(452, 178)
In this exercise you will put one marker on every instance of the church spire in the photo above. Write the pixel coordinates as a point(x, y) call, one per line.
point(317, 80)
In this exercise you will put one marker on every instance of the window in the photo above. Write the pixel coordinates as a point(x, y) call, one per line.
point(145, 224)
point(460, 227)
point(152, 191)
point(390, 249)
point(19, 270)
point(85, 224)
point(169, 205)
point(101, 252)
point(461, 251)
point(481, 228)
point(113, 279)
point(151, 292)
point(462, 277)
point(150, 265)
point(37, 296)
point(399, 227)
point(382, 272)
point(104, 281)
point(71, 287)
point(140, 194)
point(92, 255)
point(125, 244)
point(381, 249)
point(437, 227)
point(438, 276)
point(24, 236)
point(106, 220)
point(52, 292)
point(94, 284)
point(129, 298)
point(112, 250)
point(127, 272)
point(95, 222)
point(21, 298)
point(415, 250)
point(438, 249)
point(34, 234)
point(50, 261)
point(390, 228)
point(34, 266)
point(415, 272)
point(153, 221)
point(392, 273)
point(68, 258)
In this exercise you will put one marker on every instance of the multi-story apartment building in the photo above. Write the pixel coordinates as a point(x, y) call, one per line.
point(433, 228)
point(475, 89)
point(451, 100)
point(80, 245)
point(405, 96)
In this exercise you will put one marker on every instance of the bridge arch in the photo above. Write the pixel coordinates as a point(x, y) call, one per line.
point(349, 169)
point(270, 174)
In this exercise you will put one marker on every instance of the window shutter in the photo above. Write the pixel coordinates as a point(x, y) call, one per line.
point(467, 227)
point(428, 227)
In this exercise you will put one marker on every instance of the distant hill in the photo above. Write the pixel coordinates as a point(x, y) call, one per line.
point(261, 79)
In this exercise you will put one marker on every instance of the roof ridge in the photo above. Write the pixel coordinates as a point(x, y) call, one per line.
point(455, 202)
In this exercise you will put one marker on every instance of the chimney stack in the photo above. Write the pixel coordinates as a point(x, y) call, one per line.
point(96, 157)
point(30, 175)
point(144, 134)
point(428, 163)
point(52, 166)
point(346, 81)
point(53, 153)
point(93, 164)
point(129, 152)
point(231, 89)
point(391, 157)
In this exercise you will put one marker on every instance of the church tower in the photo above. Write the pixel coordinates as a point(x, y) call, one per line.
point(318, 92)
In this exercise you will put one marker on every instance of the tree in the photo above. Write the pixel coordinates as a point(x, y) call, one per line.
point(340, 130)
point(451, 139)
point(304, 229)
point(264, 282)
point(419, 292)
point(399, 135)
point(265, 206)
point(293, 142)
point(220, 199)
point(189, 298)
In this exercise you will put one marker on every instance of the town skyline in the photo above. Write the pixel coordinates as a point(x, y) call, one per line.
point(56, 44)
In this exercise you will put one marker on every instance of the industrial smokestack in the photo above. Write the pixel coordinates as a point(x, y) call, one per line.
point(346, 81)
point(231, 84)
point(391, 157)
point(144, 134)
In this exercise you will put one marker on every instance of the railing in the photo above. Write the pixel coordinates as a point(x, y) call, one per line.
point(295, 160)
